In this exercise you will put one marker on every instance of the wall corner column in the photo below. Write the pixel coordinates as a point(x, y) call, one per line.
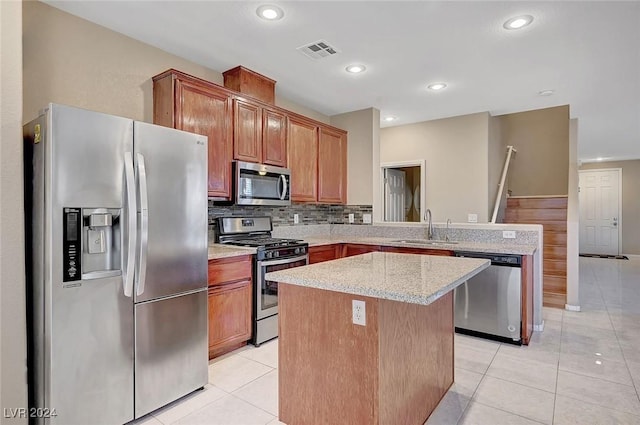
point(573, 222)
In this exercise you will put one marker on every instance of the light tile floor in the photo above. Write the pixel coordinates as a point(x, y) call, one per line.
point(584, 369)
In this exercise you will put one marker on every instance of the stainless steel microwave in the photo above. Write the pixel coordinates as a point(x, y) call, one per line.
point(258, 184)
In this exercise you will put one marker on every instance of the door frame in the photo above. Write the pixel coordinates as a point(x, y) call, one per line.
point(423, 182)
point(619, 170)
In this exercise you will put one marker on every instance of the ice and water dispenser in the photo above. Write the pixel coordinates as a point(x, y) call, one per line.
point(92, 243)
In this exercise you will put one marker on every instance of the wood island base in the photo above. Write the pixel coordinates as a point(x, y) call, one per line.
point(394, 370)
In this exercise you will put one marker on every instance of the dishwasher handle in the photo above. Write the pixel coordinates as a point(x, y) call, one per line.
point(504, 260)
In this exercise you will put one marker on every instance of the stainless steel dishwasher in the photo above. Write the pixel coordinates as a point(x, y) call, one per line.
point(489, 304)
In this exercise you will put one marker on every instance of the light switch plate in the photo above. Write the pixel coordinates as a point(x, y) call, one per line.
point(296, 218)
point(366, 218)
point(509, 234)
point(472, 218)
point(351, 218)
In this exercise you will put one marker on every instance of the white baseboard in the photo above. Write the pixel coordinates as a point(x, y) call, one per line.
point(633, 256)
point(572, 307)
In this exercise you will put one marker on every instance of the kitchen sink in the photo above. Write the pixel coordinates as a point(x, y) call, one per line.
point(425, 242)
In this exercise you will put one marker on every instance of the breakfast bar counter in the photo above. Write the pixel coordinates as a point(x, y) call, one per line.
point(396, 367)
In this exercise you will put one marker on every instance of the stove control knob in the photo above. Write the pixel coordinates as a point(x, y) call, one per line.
point(268, 254)
point(276, 254)
point(297, 251)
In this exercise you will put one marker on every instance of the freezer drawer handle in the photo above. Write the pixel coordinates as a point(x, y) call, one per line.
point(141, 273)
point(132, 221)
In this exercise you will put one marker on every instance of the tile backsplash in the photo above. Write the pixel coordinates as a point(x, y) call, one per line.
point(283, 216)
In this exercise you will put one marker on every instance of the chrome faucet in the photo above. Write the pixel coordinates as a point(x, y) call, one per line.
point(427, 217)
point(446, 237)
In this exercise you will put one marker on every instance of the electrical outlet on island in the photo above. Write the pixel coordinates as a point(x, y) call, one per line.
point(359, 313)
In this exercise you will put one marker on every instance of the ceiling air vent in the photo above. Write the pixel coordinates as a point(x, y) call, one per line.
point(318, 50)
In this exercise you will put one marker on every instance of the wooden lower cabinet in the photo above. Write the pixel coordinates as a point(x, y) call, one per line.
point(318, 254)
point(230, 302)
point(350, 249)
point(422, 251)
point(527, 298)
point(229, 317)
point(402, 360)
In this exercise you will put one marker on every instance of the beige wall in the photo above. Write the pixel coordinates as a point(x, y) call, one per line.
point(302, 110)
point(496, 157)
point(73, 61)
point(630, 204)
point(360, 125)
point(541, 137)
point(13, 357)
point(456, 152)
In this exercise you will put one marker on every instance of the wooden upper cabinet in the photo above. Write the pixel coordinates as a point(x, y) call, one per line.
point(247, 131)
point(197, 106)
point(260, 134)
point(332, 167)
point(302, 157)
point(274, 137)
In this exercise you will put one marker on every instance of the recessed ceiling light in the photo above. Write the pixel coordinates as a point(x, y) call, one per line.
point(518, 22)
point(356, 68)
point(599, 158)
point(436, 86)
point(390, 118)
point(546, 92)
point(270, 12)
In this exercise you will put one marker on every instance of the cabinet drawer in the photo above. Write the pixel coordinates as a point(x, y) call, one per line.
point(230, 270)
point(318, 254)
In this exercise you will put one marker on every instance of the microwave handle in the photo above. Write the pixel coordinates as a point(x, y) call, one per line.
point(282, 195)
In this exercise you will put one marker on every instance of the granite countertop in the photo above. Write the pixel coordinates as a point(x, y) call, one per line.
point(416, 279)
point(457, 246)
point(217, 251)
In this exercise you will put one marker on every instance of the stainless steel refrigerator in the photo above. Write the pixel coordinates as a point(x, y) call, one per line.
point(116, 223)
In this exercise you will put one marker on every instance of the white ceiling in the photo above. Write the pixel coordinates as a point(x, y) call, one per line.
point(588, 52)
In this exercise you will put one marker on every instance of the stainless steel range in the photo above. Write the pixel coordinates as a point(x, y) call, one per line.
point(272, 254)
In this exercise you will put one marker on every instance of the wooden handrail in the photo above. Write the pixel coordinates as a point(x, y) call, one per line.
point(505, 169)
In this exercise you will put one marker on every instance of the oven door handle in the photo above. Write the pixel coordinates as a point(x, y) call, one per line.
point(268, 263)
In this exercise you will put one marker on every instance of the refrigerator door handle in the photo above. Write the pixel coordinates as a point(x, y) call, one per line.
point(141, 273)
point(132, 231)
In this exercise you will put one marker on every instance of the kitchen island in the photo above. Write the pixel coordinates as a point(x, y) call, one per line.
point(395, 368)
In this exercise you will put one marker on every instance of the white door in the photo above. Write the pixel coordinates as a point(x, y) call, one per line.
point(394, 195)
point(599, 211)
